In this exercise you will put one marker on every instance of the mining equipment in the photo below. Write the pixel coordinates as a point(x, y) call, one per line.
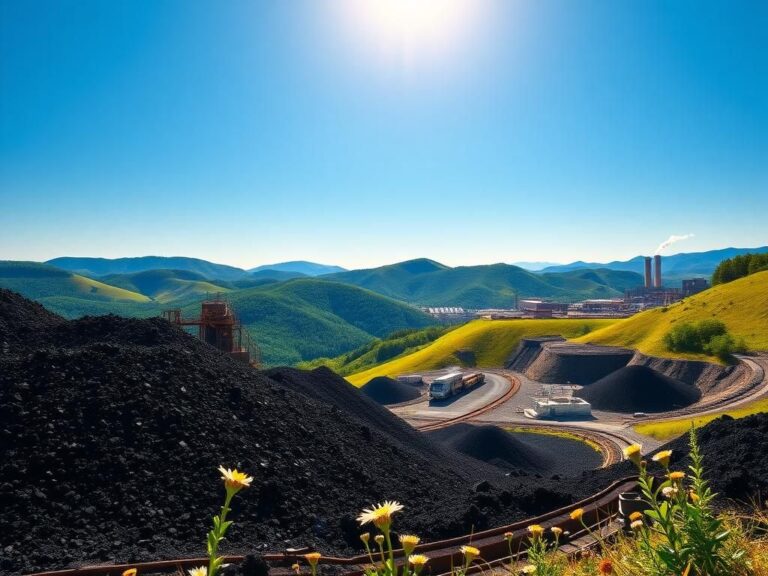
point(219, 326)
point(453, 384)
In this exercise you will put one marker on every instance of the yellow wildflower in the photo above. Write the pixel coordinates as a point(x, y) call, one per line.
point(632, 452)
point(199, 571)
point(694, 497)
point(536, 531)
point(508, 536)
point(417, 560)
point(234, 480)
point(636, 525)
point(635, 516)
point(676, 476)
point(365, 537)
point(313, 558)
point(557, 531)
point(296, 568)
point(470, 553)
point(577, 514)
point(409, 542)
point(529, 569)
point(130, 572)
point(379, 539)
point(662, 457)
point(380, 515)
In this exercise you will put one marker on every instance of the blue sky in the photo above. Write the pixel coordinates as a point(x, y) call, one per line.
point(363, 132)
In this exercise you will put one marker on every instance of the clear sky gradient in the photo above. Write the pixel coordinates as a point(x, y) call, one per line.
point(364, 132)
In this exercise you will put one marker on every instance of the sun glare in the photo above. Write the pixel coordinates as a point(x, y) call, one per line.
point(412, 28)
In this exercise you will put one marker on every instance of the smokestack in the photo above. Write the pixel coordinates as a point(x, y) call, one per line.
point(657, 271)
point(647, 271)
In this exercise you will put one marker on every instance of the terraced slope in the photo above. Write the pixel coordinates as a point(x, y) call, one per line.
point(742, 305)
point(491, 341)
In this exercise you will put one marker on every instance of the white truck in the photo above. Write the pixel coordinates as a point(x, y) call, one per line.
point(454, 383)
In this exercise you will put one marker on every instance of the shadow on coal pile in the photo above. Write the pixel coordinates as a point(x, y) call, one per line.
point(519, 453)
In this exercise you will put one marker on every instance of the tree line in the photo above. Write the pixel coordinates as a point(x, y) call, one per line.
point(738, 267)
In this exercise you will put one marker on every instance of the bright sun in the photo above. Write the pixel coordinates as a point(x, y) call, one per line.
point(412, 27)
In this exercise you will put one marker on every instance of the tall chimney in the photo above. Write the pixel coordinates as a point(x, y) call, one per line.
point(657, 271)
point(647, 271)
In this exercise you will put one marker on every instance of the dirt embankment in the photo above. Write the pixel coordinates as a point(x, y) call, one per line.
point(708, 377)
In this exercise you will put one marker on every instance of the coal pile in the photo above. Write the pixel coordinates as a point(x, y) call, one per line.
point(388, 391)
point(22, 321)
point(639, 389)
point(111, 430)
point(496, 446)
point(735, 456)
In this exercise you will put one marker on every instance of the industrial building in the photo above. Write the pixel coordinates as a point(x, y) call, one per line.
point(694, 286)
point(542, 308)
point(218, 326)
point(652, 293)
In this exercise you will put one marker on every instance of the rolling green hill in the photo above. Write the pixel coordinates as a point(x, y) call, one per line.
point(291, 321)
point(308, 318)
point(38, 281)
point(742, 305)
point(490, 341)
point(428, 283)
point(166, 285)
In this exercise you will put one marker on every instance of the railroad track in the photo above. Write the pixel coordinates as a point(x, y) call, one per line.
point(514, 387)
point(600, 512)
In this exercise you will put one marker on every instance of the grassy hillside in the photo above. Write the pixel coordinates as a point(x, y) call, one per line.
point(166, 285)
point(491, 341)
point(742, 305)
point(39, 281)
point(429, 283)
point(377, 351)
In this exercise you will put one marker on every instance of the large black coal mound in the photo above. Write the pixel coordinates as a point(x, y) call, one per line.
point(22, 321)
point(111, 430)
point(639, 389)
point(388, 391)
point(496, 446)
point(735, 456)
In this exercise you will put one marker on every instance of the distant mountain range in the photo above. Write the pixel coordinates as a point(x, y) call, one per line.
point(105, 267)
point(301, 267)
point(429, 283)
point(674, 267)
point(534, 266)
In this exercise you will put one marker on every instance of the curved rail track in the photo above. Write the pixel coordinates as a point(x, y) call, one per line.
point(599, 511)
point(514, 387)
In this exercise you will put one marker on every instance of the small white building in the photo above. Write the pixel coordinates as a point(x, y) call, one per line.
point(559, 407)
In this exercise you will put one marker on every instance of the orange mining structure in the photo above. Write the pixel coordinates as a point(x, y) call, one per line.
point(218, 326)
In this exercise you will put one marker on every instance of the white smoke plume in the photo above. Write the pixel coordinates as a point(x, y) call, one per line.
point(671, 240)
